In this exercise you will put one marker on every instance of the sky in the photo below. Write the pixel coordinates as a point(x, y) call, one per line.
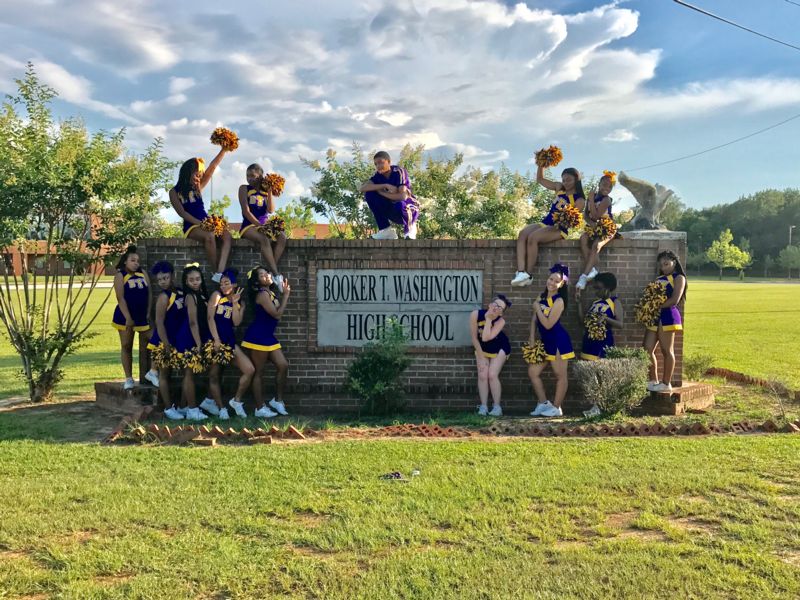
point(617, 85)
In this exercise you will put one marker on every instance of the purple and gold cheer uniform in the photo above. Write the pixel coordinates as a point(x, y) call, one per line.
point(556, 339)
point(136, 293)
point(670, 317)
point(595, 349)
point(493, 347)
point(260, 335)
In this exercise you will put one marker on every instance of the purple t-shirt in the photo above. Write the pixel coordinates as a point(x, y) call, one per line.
point(397, 176)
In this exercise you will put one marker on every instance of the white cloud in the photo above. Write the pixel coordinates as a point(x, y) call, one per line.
point(620, 135)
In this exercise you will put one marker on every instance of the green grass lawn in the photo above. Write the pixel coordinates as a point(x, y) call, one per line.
point(749, 327)
point(644, 518)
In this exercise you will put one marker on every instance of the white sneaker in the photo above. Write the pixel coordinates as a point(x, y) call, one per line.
point(552, 411)
point(216, 277)
point(183, 410)
point(662, 388)
point(592, 412)
point(483, 410)
point(521, 279)
point(539, 408)
point(385, 234)
point(278, 407)
point(173, 414)
point(582, 280)
point(265, 413)
point(592, 274)
point(129, 384)
point(195, 414)
point(278, 279)
point(152, 377)
point(496, 411)
point(412, 232)
point(223, 414)
point(651, 386)
point(238, 407)
point(210, 407)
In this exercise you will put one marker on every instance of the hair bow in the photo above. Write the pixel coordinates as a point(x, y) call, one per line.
point(559, 268)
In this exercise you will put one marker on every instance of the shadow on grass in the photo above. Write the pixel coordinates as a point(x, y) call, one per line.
point(66, 422)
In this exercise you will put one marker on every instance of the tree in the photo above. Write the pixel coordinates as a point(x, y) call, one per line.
point(696, 260)
point(724, 253)
point(82, 198)
point(297, 216)
point(789, 258)
point(769, 264)
point(218, 207)
point(456, 202)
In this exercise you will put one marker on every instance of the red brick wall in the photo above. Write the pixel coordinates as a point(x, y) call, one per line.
point(440, 377)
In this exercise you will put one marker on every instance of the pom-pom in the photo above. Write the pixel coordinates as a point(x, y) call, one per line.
point(192, 360)
point(648, 309)
point(534, 354)
point(221, 356)
point(549, 157)
point(612, 175)
point(604, 229)
point(272, 182)
point(215, 224)
point(595, 326)
point(162, 359)
point(568, 217)
point(225, 138)
point(273, 227)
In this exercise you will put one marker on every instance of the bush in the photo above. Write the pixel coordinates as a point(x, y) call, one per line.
point(374, 376)
point(696, 365)
point(616, 385)
point(623, 352)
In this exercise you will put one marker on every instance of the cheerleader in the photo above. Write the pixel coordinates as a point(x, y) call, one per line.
point(257, 206)
point(224, 313)
point(170, 315)
point(598, 206)
point(609, 308)
point(132, 289)
point(546, 325)
point(492, 349)
point(191, 336)
point(188, 203)
point(260, 338)
point(673, 278)
point(568, 191)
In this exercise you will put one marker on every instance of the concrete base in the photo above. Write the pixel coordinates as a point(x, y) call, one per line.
point(690, 396)
point(654, 234)
point(110, 395)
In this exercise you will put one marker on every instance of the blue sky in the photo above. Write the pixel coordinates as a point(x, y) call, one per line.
point(616, 84)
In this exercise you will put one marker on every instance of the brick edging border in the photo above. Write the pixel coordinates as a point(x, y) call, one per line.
point(738, 377)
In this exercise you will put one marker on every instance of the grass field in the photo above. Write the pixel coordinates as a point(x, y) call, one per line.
point(546, 519)
point(713, 517)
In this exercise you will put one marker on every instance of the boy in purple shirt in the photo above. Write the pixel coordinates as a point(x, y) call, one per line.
point(388, 194)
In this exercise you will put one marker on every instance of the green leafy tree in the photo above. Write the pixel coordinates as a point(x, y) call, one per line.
point(696, 260)
point(76, 200)
point(789, 258)
point(456, 202)
point(218, 207)
point(725, 254)
point(297, 216)
point(769, 264)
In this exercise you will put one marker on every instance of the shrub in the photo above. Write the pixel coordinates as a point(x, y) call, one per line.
point(374, 376)
point(696, 365)
point(623, 352)
point(616, 385)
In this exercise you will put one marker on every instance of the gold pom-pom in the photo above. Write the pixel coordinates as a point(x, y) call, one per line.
point(648, 309)
point(272, 182)
point(162, 359)
point(612, 175)
point(273, 227)
point(548, 157)
point(193, 360)
point(595, 326)
point(535, 354)
point(225, 138)
point(221, 356)
point(215, 224)
point(568, 217)
point(604, 229)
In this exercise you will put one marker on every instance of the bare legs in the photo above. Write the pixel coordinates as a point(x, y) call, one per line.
point(277, 358)
point(590, 251)
point(210, 244)
point(559, 367)
point(528, 244)
point(271, 251)
point(245, 368)
point(666, 341)
point(126, 351)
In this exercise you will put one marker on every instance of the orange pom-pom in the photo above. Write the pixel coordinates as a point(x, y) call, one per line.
point(225, 138)
point(604, 229)
point(272, 182)
point(215, 224)
point(612, 175)
point(549, 157)
point(568, 216)
point(273, 227)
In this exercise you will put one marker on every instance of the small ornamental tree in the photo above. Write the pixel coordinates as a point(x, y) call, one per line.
point(725, 254)
point(73, 201)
